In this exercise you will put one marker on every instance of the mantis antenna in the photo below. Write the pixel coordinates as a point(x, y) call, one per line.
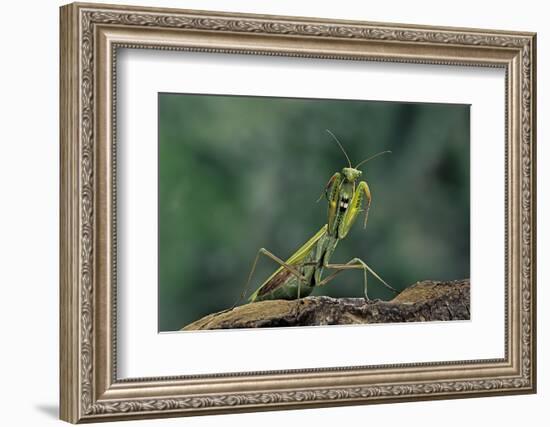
point(372, 157)
point(340, 145)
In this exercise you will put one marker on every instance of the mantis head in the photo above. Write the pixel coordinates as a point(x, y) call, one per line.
point(351, 174)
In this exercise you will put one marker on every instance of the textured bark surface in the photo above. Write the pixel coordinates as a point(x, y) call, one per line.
point(424, 301)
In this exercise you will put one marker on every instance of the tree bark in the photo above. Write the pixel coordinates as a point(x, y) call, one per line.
point(422, 302)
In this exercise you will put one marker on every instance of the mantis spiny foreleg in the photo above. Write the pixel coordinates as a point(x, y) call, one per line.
point(361, 196)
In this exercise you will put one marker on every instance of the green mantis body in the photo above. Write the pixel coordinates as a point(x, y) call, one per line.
point(297, 276)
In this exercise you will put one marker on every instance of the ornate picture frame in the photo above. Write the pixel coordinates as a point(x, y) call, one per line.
point(90, 37)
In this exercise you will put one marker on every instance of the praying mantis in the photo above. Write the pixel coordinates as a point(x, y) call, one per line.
point(298, 275)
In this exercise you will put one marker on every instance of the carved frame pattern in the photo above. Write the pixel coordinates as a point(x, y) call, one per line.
point(81, 400)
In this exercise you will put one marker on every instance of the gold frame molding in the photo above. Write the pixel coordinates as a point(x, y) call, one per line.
point(90, 36)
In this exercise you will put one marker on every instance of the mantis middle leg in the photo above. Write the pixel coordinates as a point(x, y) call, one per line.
point(355, 263)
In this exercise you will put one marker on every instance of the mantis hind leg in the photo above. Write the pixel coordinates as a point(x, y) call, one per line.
point(355, 263)
point(265, 252)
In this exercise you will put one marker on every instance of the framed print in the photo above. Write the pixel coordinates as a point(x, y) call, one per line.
point(266, 212)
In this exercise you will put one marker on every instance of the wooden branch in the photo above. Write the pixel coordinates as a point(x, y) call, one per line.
point(424, 301)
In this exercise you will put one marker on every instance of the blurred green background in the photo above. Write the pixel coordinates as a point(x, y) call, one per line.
point(240, 173)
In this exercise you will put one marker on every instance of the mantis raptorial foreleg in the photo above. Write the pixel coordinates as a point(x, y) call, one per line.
point(361, 196)
point(291, 268)
point(355, 263)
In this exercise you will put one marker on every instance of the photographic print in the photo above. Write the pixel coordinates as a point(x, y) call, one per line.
point(277, 212)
